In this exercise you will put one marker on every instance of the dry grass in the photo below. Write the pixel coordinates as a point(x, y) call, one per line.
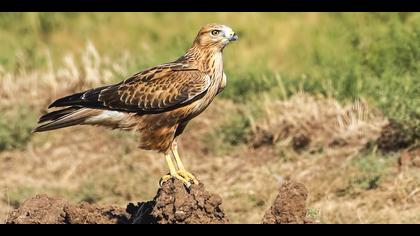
point(40, 87)
point(324, 122)
point(98, 165)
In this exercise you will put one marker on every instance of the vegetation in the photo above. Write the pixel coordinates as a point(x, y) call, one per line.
point(291, 76)
point(15, 128)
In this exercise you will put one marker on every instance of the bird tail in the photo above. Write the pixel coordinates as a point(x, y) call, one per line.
point(66, 117)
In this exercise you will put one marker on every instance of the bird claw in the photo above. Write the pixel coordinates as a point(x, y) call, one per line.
point(188, 176)
point(163, 179)
point(185, 181)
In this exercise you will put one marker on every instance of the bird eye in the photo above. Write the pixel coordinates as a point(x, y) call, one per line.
point(214, 32)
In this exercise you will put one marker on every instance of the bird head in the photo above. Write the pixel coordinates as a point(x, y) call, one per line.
point(215, 36)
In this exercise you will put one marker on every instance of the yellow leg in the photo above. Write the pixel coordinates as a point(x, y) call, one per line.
point(181, 169)
point(173, 173)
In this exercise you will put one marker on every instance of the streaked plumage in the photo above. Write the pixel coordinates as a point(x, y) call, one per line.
point(157, 102)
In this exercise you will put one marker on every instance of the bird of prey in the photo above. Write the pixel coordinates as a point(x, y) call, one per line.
point(157, 102)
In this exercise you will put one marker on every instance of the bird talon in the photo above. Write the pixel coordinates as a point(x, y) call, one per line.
point(163, 179)
point(188, 176)
point(185, 181)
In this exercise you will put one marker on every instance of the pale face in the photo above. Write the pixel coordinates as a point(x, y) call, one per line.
point(215, 35)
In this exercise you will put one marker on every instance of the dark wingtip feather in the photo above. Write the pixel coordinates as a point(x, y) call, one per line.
point(73, 99)
point(65, 119)
point(57, 114)
point(36, 130)
point(88, 98)
point(40, 128)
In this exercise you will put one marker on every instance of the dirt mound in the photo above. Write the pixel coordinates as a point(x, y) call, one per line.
point(289, 207)
point(43, 209)
point(173, 204)
point(394, 137)
point(312, 123)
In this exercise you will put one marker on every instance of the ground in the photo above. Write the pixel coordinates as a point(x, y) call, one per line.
point(324, 99)
point(174, 203)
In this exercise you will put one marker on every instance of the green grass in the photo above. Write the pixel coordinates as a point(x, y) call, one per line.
point(366, 172)
point(371, 56)
point(229, 134)
point(15, 128)
point(235, 130)
point(374, 56)
point(19, 194)
point(347, 56)
point(313, 214)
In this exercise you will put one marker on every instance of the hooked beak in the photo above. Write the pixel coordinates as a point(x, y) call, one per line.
point(233, 37)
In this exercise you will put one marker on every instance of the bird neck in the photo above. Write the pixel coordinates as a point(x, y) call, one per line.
point(205, 59)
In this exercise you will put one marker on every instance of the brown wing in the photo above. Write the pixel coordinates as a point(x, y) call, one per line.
point(154, 90)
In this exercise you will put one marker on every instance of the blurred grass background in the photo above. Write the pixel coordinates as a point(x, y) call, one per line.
point(347, 57)
point(374, 56)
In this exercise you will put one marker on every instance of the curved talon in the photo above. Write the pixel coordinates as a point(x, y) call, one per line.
point(180, 173)
point(181, 169)
point(184, 180)
point(187, 175)
point(163, 179)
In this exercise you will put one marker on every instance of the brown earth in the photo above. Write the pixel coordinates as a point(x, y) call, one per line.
point(173, 204)
point(410, 157)
point(176, 204)
point(289, 207)
point(43, 209)
point(394, 137)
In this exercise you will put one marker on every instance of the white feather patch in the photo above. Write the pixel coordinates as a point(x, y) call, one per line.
point(107, 117)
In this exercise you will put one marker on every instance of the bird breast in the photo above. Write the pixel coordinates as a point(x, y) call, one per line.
point(216, 77)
